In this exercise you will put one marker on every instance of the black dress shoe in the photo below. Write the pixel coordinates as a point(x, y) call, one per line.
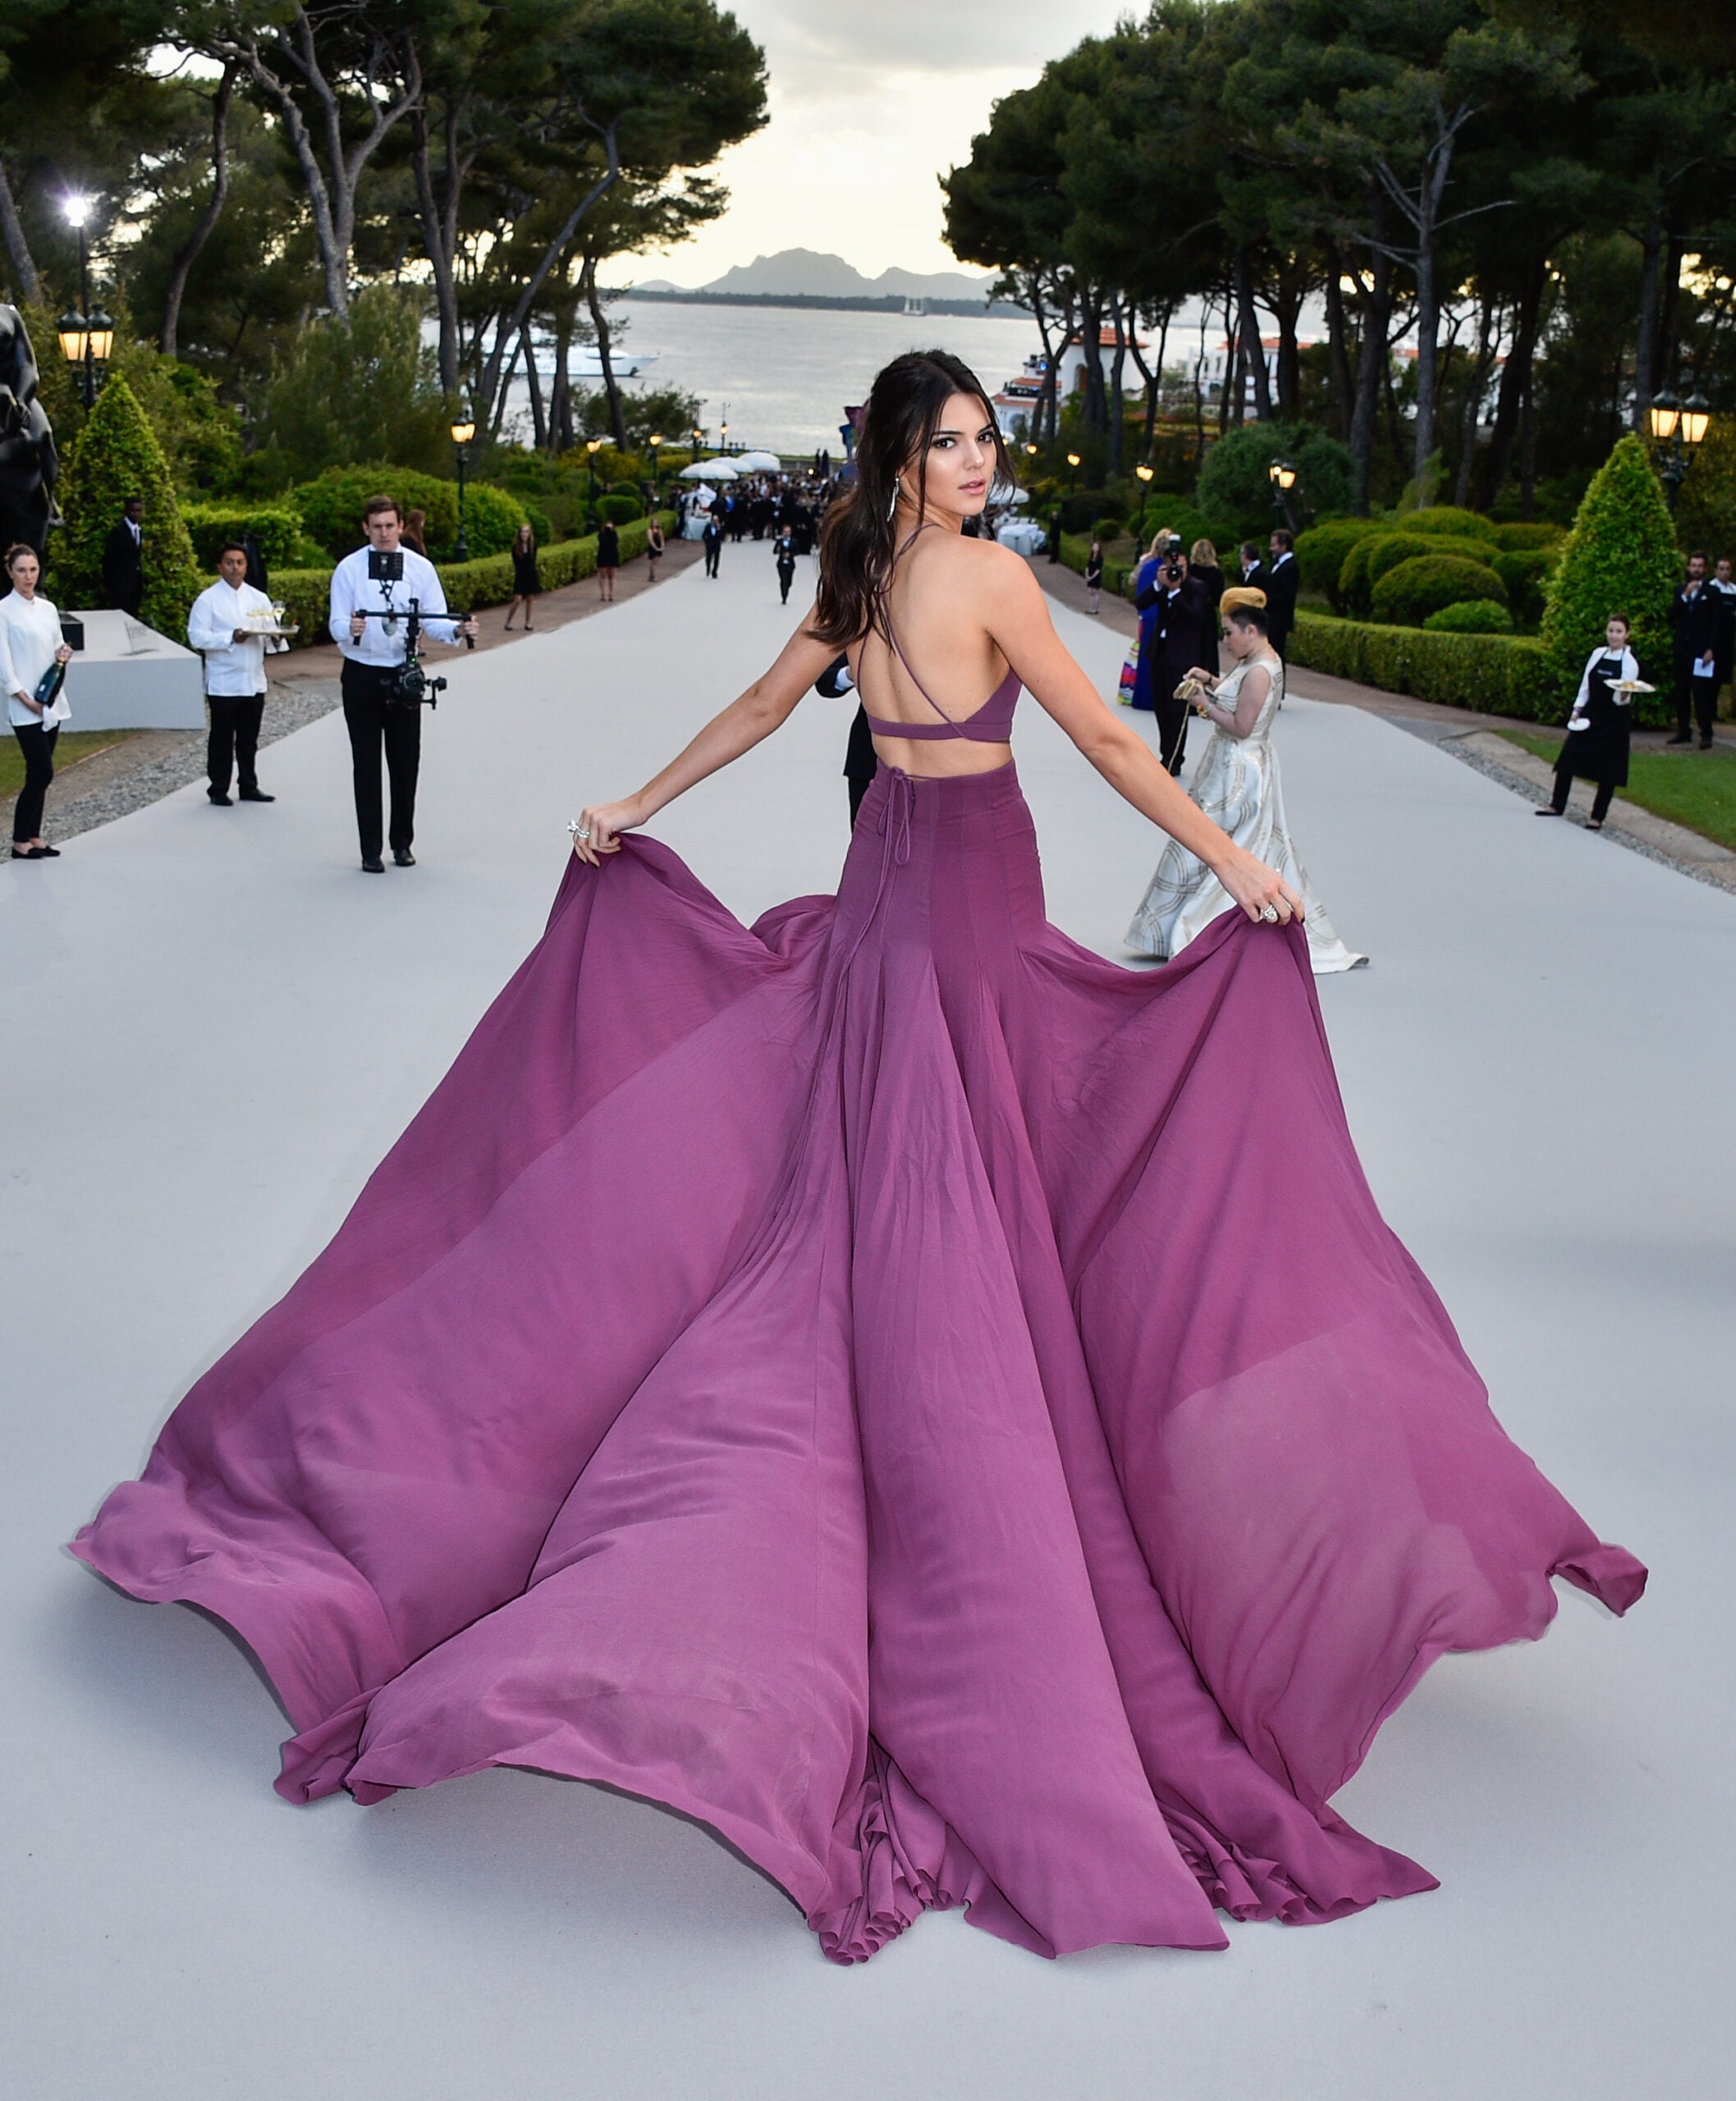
point(403, 858)
point(1706, 744)
point(1684, 739)
point(223, 801)
point(29, 853)
point(373, 865)
point(255, 795)
point(49, 853)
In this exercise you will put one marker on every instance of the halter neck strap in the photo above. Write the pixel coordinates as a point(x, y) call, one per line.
point(885, 614)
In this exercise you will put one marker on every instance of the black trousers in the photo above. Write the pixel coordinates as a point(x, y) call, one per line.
point(233, 744)
point(38, 745)
point(373, 722)
point(1600, 802)
point(713, 548)
point(1172, 730)
point(1696, 699)
point(785, 578)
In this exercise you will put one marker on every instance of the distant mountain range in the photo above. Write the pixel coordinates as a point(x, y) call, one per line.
point(800, 274)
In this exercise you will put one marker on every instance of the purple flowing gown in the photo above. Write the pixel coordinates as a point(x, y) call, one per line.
point(940, 1408)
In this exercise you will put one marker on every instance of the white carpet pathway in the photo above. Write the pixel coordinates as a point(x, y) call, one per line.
point(217, 1024)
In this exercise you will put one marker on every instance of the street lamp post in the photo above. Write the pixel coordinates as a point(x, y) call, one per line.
point(1283, 478)
point(87, 337)
point(654, 441)
point(1145, 474)
point(1073, 469)
point(463, 429)
point(593, 446)
point(1677, 428)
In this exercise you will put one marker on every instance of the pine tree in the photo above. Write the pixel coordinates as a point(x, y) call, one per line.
point(117, 456)
point(1620, 557)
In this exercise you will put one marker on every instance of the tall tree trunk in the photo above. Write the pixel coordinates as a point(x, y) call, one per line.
point(600, 322)
point(1371, 372)
point(1117, 366)
point(1527, 455)
point(1515, 378)
point(440, 257)
point(204, 227)
point(28, 279)
point(1044, 335)
point(1199, 390)
point(1339, 382)
point(1248, 329)
point(1474, 391)
point(1428, 350)
point(1670, 316)
point(1095, 402)
point(534, 378)
point(1646, 381)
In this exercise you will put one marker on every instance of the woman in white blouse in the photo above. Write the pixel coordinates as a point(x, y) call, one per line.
point(31, 645)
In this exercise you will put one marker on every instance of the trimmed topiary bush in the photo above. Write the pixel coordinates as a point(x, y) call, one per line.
point(1321, 551)
point(1525, 572)
point(1371, 556)
point(330, 507)
point(1620, 557)
point(621, 508)
point(1448, 519)
point(1424, 583)
point(117, 456)
point(277, 529)
point(1470, 616)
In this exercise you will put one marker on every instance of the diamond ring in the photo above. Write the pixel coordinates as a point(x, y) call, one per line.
point(581, 832)
point(1268, 912)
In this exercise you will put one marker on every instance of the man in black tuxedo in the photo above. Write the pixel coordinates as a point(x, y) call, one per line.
point(1280, 587)
point(1183, 633)
point(123, 559)
point(1699, 613)
point(1254, 574)
point(861, 762)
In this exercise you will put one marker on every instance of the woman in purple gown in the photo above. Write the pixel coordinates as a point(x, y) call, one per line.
point(940, 1407)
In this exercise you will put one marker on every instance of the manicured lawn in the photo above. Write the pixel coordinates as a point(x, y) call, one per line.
point(1692, 788)
point(73, 746)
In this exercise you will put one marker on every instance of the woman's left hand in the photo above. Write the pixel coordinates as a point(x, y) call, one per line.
point(63, 654)
point(599, 827)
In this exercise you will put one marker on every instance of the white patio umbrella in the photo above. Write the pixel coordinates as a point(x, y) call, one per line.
point(758, 462)
point(708, 470)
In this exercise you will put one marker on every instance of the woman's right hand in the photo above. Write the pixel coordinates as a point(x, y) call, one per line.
point(1257, 888)
point(599, 828)
point(30, 701)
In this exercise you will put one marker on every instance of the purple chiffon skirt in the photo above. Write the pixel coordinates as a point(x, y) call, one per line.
point(941, 1408)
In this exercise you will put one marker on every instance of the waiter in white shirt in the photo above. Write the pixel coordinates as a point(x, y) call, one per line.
point(223, 626)
point(373, 650)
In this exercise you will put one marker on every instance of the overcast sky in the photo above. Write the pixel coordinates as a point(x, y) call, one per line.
point(870, 100)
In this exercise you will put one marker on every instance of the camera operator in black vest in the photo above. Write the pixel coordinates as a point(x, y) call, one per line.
point(385, 598)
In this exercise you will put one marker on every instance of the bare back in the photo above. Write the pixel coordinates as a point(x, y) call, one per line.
point(932, 605)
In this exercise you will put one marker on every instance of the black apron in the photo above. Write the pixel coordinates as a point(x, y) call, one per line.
point(1598, 752)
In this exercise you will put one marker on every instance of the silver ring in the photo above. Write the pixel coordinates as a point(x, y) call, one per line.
point(580, 831)
point(1268, 912)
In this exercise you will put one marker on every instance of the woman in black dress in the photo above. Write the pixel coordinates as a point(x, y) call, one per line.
point(526, 584)
point(609, 561)
point(653, 548)
point(1094, 576)
point(785, 549)
point(1597, 746)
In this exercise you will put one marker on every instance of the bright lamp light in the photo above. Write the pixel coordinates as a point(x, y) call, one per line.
point(1696, 415)
point(77, 209)
point(1665, 414)
point(464, 429)
point(74, 331)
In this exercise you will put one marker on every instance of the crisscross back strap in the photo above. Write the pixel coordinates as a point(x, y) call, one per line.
point(885, 614)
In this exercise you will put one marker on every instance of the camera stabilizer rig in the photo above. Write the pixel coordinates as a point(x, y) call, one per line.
point(411, 685)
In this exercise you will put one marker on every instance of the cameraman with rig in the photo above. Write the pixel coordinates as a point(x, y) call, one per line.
point(385, 598)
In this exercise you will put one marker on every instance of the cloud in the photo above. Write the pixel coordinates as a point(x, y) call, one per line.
point(870, 102)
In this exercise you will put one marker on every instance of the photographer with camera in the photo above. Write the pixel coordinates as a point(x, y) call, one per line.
point(385, 598)
point(1178, 626)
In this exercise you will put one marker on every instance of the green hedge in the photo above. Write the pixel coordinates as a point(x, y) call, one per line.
point(1516, 538)
point(469, 585)
point(331, 506)
point(1490, 674)
point(1413, 589)
point(1448, 519)
point(1525, 572)
point(1375, 553)
point(1470, 616)
point(276, 527)
point(1323, 549)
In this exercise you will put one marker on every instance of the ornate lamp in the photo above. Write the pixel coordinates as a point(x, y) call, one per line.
point(463, 429)
point(1677, 428)
point(1283, 478)
point(593, 446)
point(74, 331)
point(1145, 475)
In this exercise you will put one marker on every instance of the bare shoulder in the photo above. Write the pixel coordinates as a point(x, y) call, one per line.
point(983, 568)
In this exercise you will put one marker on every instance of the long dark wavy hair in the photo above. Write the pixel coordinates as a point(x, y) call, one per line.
point(857, 541)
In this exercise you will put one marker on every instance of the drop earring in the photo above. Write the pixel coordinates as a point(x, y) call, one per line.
point(898, 490)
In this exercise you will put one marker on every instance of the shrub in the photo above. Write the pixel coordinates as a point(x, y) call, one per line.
point(1375, 553)
point(1409, 594)
point(1172, 515)
point(1508, 675)
point(357, 392)
point(277, 529)
point(331, 508)
point(1470, 616)
point(1517, 538)
point(1448, 519)
point(1525, 572)
point(1320, 553)
point(1234, 482)
point(620, 509)
point(117, 456)
point(1705, 509)
point(1620, 557)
